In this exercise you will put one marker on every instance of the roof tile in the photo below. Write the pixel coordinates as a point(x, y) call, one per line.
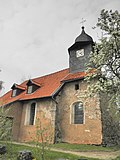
point(48, 85)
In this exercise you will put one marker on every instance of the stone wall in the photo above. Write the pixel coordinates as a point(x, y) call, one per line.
point(15, 112)
point(99, 125)
point(44, 116)
point(88, 133)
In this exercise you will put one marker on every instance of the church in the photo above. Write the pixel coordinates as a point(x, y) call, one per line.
point(58, 101)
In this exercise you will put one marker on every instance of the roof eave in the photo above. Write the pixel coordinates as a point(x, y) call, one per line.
point(71, 80)
point(35, 98)
point(57, 90)
point(63, 83)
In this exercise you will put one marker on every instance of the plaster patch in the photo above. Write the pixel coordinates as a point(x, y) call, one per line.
point(87, 130)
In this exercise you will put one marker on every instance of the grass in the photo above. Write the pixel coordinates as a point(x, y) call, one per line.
point(117, 158)
point(13, 149)
point(82, 147)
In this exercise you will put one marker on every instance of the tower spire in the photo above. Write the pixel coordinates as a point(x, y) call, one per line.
point(79, 51)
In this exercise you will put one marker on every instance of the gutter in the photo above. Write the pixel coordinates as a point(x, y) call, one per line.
point(57, 90)
point(63, 82)
point(71, 80)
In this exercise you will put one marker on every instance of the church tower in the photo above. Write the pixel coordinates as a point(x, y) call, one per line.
point(79, 52)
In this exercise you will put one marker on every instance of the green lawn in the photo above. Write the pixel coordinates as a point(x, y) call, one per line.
point(82, 147)
point(118, 158)
point(13, 149)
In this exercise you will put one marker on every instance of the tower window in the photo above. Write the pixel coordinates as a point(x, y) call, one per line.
point(76, 86)
point(77, 113)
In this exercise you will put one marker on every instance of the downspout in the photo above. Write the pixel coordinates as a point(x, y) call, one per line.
point(55, 93)
point(55, 138)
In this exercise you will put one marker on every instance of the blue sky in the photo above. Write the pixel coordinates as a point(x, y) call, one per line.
point(35, 34)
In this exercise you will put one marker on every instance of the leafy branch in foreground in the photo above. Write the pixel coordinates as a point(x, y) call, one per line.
point(44, 136)
point(106, 56)
point(1, 83)
point(5, 124)
point(104, 79)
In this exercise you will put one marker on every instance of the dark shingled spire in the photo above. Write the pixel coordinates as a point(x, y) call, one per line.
point(83, 37)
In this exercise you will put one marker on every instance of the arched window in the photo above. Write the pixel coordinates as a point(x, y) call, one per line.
point(78, 113)
point(32, 114)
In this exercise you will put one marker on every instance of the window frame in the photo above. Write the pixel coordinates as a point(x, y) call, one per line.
point(14, 92)
point(32, 115)
point(30, 89)
point(27, 115)
point(72, 114)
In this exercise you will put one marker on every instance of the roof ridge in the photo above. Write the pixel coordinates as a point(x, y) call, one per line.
point(50, 74)
point(34, 79)
point(65, 77)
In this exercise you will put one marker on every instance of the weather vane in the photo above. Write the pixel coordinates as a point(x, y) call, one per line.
point(83, 21)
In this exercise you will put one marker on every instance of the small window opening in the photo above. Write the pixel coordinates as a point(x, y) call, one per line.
point(76, 86)
point(32, 114)
point(14, 92)
point(29, 90)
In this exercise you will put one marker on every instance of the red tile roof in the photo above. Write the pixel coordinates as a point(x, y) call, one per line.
point(73, 76)
point(49, 84)
point(34, 82)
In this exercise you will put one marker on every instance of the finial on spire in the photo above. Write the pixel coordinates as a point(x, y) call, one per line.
point(83, 27)
point(82, 22)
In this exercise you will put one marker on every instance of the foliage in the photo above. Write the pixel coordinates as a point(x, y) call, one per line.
point(117, 158)
point(106, 56)
point(5, 124)
point(1, 84)
point(104, 79)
